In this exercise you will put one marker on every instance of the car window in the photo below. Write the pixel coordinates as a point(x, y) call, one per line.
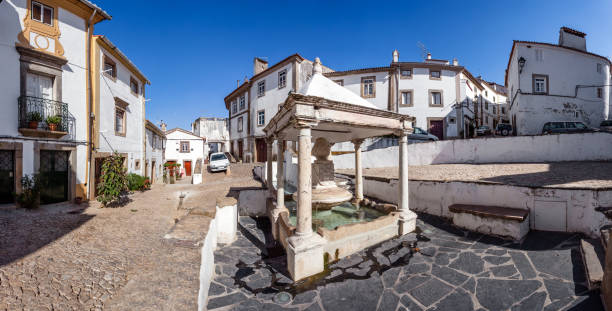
point(546, 126)
point(570, 125)
point(217, 157)
point(557, 125)
point(606, 123)
point(418, 131)
point(580, 125)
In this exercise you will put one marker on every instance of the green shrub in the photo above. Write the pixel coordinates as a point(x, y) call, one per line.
point(53, 120)
point(137, 182)
point(30, 192)
point(34, 116)
point(113, 182)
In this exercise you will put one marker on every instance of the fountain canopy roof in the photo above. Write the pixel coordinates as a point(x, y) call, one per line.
point(333, 112)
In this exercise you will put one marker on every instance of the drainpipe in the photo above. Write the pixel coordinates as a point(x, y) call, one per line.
point(90, 106)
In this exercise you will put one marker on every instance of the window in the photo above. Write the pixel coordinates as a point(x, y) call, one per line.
point(110, 68)
point(599, 68)
point(599, 92)
point(406, 99)
point(184, 147)
point(540, 84)
point(503, 109)
point(282, 79)
point(435, 98)
point(486, 119)
point(137, 164)
point(368, 88)
point(340, 82)
point(42, 13)
point(494, 110)
point(134, 86)
point(494, 99)
point(261, 88)
point(261, 117)
point(240, 124)
point(486, 93)
point(451, 120)
point(486, 105)
point(242, 102)
point(406, 73)
point(119, 121)
point(539, 56)
point(434, 74)
point(234, 107)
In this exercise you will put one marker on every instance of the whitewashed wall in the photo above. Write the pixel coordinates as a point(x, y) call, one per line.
point(547, 148)
point(272, 99)
point(154, 152)
point(353, 83)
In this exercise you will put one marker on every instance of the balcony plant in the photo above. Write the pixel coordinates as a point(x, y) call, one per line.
point(33, 118)
point(53, 122)
point(30, 192)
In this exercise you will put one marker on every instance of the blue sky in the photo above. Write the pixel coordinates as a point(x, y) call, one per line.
point(194, 51)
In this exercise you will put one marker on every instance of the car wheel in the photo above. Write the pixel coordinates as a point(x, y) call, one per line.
point(504, 132)
point(431, 139)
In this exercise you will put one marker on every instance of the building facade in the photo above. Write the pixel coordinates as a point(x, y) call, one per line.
point(216, 133)
point(184, 148)
point(119, 110)
point(557, 82)
point(155, 142)
point(45, 97)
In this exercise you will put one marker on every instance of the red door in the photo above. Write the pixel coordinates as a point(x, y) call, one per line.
point(188, 168)
point(436, 127)
point(262, 151)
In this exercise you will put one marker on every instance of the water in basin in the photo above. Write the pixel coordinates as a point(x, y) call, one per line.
point(343, 214)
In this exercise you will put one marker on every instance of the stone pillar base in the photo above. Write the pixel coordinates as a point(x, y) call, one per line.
point(274, 216)
point(305, 256)
point(407, 222)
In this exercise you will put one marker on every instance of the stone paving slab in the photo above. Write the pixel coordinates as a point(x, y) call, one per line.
point(450, 269)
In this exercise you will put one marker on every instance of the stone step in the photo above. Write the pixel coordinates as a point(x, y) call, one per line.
point(593, 258)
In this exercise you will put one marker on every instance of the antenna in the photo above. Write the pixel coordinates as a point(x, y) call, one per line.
point(424, 50)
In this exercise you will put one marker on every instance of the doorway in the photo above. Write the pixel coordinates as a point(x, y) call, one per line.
point(240, 149)
point(187, 165)
point(262, 152)
point(436, 127)
point(54, 170)
point(7, 175)
point(153, 171)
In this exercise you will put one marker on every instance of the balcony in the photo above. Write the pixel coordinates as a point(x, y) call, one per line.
point(34, 113)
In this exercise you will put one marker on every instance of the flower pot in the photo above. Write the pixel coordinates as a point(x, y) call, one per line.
point(53, 127)
point(33, 125)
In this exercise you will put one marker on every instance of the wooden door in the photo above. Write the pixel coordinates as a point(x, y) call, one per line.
point(240, 149)
point(187, 168)
point(7, 176)
point(54, 168)
point(436, 127)
point(262, 151)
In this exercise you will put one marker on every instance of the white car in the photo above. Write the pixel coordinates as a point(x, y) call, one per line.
point(218, 162)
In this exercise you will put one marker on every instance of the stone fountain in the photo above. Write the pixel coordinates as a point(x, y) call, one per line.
point(325, 192)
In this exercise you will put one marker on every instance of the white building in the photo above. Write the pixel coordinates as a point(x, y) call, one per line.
point(45, 61)
point(557, 82)
point(216, 133)
point(254, 102)
point(119, 109)
point(154, 152)
point(184, 148)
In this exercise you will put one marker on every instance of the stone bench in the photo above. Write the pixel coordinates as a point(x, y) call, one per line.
point(493, 220)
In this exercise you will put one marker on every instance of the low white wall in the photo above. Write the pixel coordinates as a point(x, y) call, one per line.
point(568, 210)
point(207, 264)
point(519, 149)
point(227, 221)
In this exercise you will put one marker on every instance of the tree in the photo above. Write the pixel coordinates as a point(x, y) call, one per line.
point(113, 182)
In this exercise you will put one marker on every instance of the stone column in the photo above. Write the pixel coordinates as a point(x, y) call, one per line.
point(269, 177)
point(304, 204)
point(280, 176)
point(358, 171)
point(407, 218)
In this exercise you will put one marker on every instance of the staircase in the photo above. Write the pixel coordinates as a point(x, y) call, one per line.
point(593, 256)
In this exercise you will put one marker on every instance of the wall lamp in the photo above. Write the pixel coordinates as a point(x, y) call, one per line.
point(521, 63)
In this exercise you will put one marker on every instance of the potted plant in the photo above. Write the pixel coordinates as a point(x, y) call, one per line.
point(53, 121)
point(33, 118)
point(30, 192)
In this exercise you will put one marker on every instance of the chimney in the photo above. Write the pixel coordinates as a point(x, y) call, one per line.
point(237, 83)
point(317, 67)
point(455, 62)
point(395, 56)
point(162, 126)
point(572, 38)
point(259, 65)
point(428, 55)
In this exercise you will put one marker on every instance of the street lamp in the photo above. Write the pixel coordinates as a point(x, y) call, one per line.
point(521, 63)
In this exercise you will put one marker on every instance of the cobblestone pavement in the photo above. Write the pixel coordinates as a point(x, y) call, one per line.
point(585, 174)
point(452, 270)
point(60, 257)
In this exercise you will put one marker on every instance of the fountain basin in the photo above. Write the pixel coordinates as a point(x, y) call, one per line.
point(324, 198)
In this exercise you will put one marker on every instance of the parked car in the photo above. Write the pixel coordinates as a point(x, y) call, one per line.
point(565, 127)
point(606, 126)
point(420, 134)
point(483, 130)
point(218, 162)
point(503, 129)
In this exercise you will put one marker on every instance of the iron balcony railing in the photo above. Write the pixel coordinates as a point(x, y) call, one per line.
point(34, 108)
